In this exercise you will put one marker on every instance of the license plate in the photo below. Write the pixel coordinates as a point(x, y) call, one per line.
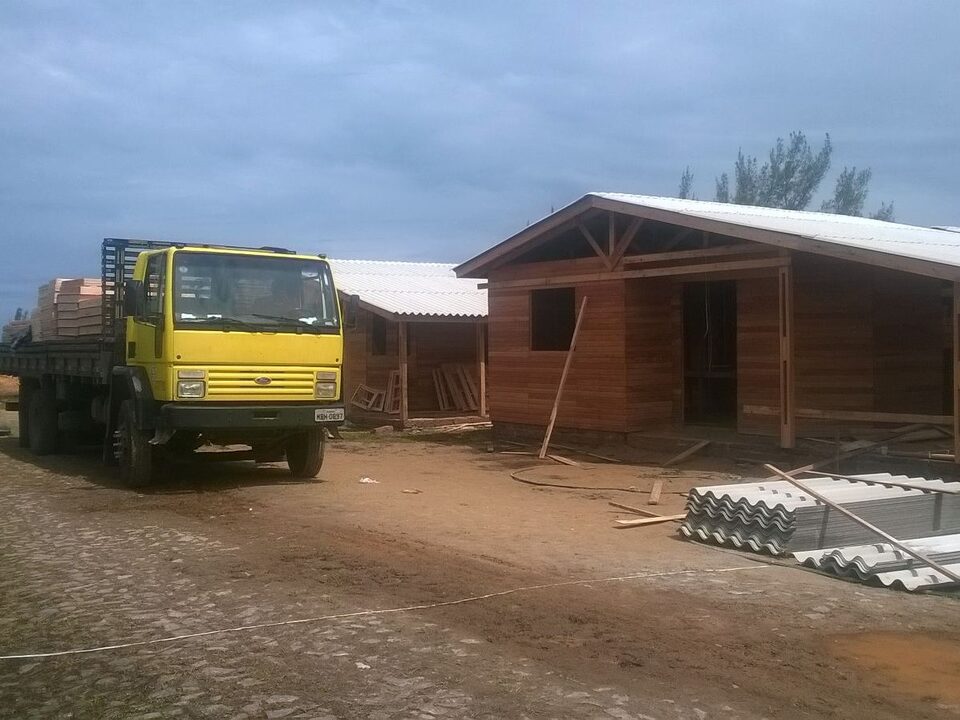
point(328, 415)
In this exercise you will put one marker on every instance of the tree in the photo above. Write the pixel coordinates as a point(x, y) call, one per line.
point(686, 185)
point(850, 192)
point(789, 179)
point(885, 212)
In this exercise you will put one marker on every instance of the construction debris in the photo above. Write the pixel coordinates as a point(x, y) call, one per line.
point(635, 510)
point(655, 493)
point(649, 521)
point(456, 388)
point(367, 398)
point(690, 451)
point(776, 517)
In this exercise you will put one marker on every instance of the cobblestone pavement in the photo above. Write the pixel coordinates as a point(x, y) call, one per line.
point(73, 580)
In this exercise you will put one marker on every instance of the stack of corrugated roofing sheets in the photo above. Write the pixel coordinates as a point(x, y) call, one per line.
point(884, 564)
point(775, 516)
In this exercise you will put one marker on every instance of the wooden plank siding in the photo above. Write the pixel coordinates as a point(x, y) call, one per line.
point(654, 340)
point(758, 353)
point(523, 382)
point(865, 339)
point(912, 340)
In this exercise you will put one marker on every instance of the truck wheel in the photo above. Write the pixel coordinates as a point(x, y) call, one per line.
point(42, 426)
point(23, 412)
point(305, 453)
point(132, 447)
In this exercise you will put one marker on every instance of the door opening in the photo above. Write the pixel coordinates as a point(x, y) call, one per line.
point(710, 353)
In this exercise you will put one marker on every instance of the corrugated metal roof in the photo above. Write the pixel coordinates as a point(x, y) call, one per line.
point(932, 251)
point(410, 289)
point(775, 516)
point(921, 243)
point(883, 564)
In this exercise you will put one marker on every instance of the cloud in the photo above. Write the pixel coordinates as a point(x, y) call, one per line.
point(430, 131)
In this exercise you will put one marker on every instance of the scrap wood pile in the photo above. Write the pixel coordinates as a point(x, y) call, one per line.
point(388, 400)
point(456, 388)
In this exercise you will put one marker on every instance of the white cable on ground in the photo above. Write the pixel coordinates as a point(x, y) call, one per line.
point(361, 613)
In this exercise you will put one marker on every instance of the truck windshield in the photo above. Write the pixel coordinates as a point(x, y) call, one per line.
point(242, 292)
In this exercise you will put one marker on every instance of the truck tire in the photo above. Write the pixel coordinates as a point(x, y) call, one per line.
point(133, 449)
point(42, 428)
point(305, 453)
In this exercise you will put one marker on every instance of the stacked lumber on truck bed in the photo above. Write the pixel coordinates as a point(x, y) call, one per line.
point(456, 388)
point(79, 308)
point(68, 308)
point(13, 330)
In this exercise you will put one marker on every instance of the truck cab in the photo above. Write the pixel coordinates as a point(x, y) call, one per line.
point(225, 347)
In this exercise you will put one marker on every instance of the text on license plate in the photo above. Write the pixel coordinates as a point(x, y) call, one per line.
point(328, 415)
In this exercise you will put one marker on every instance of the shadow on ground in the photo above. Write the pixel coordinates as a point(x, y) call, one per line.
point(172, 478)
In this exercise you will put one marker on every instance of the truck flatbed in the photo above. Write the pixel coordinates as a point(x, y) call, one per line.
point(87, 358)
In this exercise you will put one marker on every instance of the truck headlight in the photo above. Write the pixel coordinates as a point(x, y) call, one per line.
point(326, 375)
point(326, 390)
point(191, 388)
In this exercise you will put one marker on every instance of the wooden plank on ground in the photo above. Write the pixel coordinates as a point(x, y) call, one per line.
point(649, 521)
point(857, 451)
point(563, 379)
point(563, 461)
point(631, 508)
point(655, 493)
point(693, 449)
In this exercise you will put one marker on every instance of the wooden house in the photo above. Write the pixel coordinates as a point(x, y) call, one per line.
point(759, 320)
point(414, 342)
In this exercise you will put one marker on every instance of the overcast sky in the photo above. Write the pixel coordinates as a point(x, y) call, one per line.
point(405, 130)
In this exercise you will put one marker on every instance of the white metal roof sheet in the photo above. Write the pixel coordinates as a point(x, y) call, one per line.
point(410, 288)
point(921, 243)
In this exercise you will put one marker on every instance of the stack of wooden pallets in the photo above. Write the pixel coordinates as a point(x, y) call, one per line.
point(68, 308)
point(456, 388)
point(79, 307)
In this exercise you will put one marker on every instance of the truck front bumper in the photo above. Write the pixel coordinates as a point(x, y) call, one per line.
point(177, 416)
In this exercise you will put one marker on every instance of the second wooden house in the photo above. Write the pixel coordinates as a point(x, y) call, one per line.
point(414, 342)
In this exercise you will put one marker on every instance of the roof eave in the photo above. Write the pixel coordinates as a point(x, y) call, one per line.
point(503, 252)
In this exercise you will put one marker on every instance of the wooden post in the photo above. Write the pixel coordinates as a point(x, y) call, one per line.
point(402, 335)
point(611, 233)
point(956, 372)
point(788, 431)
point(563, 380)
point(482, 366)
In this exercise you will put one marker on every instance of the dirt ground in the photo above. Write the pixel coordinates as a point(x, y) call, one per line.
point(695, 632)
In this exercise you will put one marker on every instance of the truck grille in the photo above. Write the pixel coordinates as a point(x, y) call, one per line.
point(283, 383)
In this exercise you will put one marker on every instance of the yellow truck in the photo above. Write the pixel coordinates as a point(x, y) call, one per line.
point(202, 348)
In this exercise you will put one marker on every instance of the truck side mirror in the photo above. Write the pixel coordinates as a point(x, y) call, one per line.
point(350, 311)
point(132, 296)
